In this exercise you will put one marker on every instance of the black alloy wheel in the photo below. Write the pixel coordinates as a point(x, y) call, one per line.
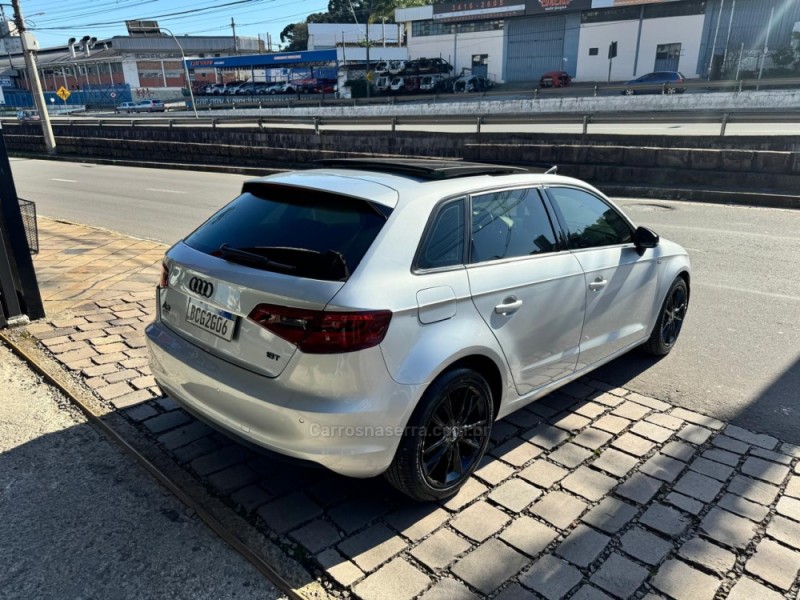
point(670, 320)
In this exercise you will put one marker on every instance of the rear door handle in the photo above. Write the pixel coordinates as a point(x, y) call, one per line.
point(509, 306)
point(598, 284)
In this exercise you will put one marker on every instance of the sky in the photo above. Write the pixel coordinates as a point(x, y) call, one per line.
point(55, 21)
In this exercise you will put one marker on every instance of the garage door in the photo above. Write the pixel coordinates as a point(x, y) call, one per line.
point(534, 46)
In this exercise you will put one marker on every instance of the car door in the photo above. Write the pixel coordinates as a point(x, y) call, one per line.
point(526, 287)
point(620, 283)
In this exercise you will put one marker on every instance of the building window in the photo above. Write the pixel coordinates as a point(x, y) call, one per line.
point(593, 52)
point(675, 9)
point(428, 28)
point(606, 15)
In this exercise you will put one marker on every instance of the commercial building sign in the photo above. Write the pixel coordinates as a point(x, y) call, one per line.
point(477, 10)
point(539, 7)
point(618, 3)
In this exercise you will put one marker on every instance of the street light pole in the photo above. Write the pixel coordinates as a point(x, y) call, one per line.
point(33, 78)
point(185, 70)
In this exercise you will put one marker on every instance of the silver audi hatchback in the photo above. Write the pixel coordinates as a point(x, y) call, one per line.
point(377, 316)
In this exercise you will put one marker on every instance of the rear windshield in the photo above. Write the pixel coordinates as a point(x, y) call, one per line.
point(291, 230)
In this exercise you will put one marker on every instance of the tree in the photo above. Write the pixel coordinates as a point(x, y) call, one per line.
point(784, 57)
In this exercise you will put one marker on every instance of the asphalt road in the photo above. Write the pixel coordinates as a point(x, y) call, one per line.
point(739, 355)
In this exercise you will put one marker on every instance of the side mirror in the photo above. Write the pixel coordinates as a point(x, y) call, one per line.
point(645, 238)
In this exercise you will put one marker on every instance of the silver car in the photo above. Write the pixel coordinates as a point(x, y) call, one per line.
point(377, 316)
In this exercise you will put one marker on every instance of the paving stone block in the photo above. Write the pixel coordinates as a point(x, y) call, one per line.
point(793, 487)
point(141, 383)
point(588, 483)
point(615, 462)
point(610, 515)
point(528, 535)
point(578, 389)
point(132, 399)
point(611, 424)
point(698, 486)
point(679, 450)
point(785, 530)
point(167, 421)
point(633, 444)
point(730, 444)
point(104, 359)
point(767, 442)
point(789, 507)
point(682, 582)
point(140, 412)
point(513, 592)
point(220, 459)
point(662, 467)
point(515, 495)
point(608, 399)
point(685, 503)
point(185, 435)
point(551, 577)
point(765, 470)
point(664, 420)
point(449, 589)
point(752, 489)
point(770, 455)
point(251, 497)
point(583, 546)
point(630, 410)
point(110, 392)
point(356, 514)
point(117, 376)
point(543, 473)
point(68, 346)
point(619, 576)
point(592, 438)
point(644, 546)
point(440, 549)
point(711, 469)
point(523, 418)
point(98, 370)
point(748, 589)
point(516, 452)
point(468, 492)
point(728, 529)
point(417, 521)
point(745, 508)
point(590, 410)
point(545, 436)
point(651, 431)
point(711, 556)
point(697, 418)
point(398, 580)
point(559, 509)
point(721, 456)
point(502, 430)
point(493, 471)
point(233, 478)
point(775, 564)
point(694, 434)
point(790, 449)
point(367, 549)
point(489, 566)
point(111, 348)
point(648, 401)
point(480, 520)
point(639, 488)
point(664, 519)
point(571, 422)
point(570, 455)
point(588, 592)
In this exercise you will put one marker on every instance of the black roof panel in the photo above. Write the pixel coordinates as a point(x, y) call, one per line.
point(431, 169)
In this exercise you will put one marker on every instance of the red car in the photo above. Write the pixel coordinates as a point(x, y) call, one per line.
point(555, 79)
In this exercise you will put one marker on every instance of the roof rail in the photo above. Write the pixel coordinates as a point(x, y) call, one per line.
point(421, 168)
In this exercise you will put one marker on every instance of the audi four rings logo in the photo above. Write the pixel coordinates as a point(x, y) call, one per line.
point(201, 286)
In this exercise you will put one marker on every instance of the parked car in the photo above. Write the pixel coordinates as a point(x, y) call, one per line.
point(218, 89)
point(288, 88)
point(555, 79)
point(29, 115)
point(232, 89)
point(150, 106)
point(382, 83)
point(439, 82)
point(397, 84)
point(390, 67)
point(659, 82)
point(273, 88)
point(472, 83)
point(126, 107)
point(428, 65)
point(377, 316)
point(246, 89)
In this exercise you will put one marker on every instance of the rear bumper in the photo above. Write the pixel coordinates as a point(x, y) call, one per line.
point(343, 412)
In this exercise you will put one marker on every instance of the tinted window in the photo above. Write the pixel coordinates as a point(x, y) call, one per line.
point(301, 229)
point(444, 244)
point(590, 222)
point(508, 224)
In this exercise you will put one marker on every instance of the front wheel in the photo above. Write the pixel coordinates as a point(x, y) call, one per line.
point(670, 320)
point(446, 437)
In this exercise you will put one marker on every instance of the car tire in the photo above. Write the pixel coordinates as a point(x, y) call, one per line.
point(670, 320)
point(630, 92)
point(672, 90)
point(446, 437)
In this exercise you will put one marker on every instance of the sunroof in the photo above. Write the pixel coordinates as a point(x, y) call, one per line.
point(422, 168)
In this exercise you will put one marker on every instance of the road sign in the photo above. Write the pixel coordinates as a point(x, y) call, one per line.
point(63, 93)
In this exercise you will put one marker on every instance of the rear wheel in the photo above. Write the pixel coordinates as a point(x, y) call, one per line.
point(629, 92)
point(670, 320)
point(672, 90)
point(446, 437)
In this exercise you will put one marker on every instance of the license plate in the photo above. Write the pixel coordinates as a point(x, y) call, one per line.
point(218, 322)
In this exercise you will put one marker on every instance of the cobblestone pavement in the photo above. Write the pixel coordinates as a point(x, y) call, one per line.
point(594, 492)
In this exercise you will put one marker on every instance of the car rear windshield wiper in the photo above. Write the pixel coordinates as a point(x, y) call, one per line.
point(228, 252)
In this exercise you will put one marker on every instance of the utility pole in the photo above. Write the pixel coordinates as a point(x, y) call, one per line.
point(766, 46)
point(233, 26)
point(33, 78)
point(369, 80)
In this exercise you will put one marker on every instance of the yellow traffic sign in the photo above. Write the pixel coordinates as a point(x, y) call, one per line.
point(63, 93)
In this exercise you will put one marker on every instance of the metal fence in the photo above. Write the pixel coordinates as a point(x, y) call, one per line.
point(93, 96)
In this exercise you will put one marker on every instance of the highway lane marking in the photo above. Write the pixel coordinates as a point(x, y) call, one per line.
point(745, 290)
point(165, 191)
point(65, 180)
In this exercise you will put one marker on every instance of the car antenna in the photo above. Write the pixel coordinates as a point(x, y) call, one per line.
point(552, 170)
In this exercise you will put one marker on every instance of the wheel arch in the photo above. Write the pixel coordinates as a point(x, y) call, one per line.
point(488, 369)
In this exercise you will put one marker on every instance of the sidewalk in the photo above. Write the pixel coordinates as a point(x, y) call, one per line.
point(594, 492)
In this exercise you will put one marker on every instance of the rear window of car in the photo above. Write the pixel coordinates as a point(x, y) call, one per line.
point(300, 232)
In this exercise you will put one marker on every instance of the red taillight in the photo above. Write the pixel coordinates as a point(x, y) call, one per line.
point(164, 280)
point(321, 332)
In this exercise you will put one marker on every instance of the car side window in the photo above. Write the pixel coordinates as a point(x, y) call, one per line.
point(589, 221)
point(444, 242)
point(509, 224)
